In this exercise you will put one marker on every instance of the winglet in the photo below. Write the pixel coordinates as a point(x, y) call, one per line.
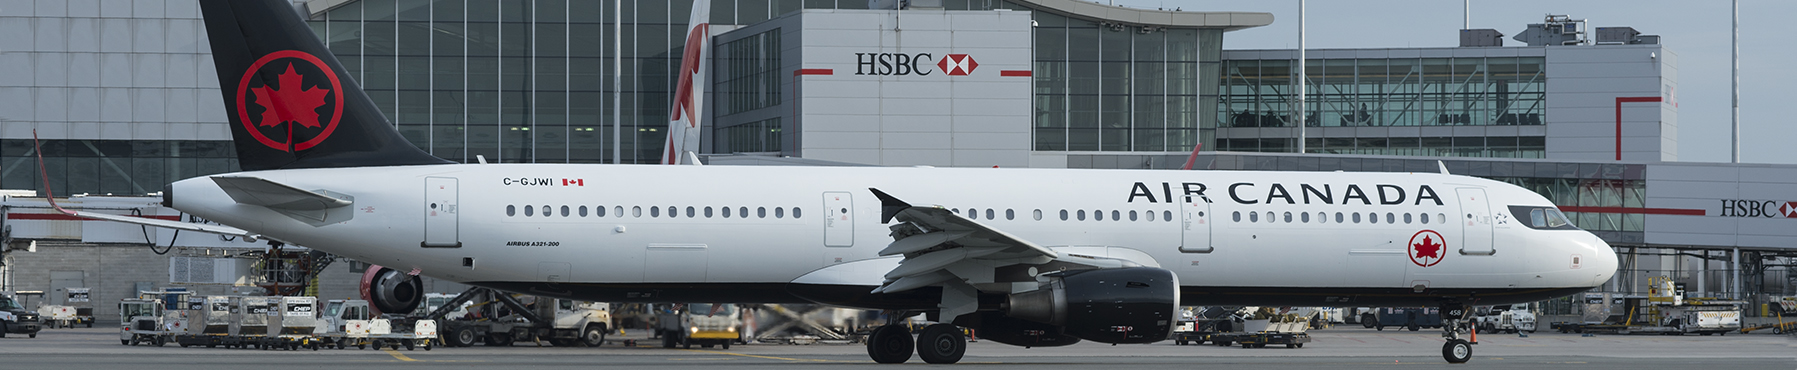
point(38, 149)
point(1444, 167)
point(889, 206)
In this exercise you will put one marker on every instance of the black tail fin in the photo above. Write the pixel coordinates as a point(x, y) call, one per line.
point(291, 104)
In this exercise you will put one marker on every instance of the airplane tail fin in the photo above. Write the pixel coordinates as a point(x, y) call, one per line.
point(290, 103)
point(683, 122)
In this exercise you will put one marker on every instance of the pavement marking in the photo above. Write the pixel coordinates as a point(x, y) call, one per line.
point(396, 354)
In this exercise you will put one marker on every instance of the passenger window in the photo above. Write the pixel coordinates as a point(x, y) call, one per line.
point(1037, 214)
point(675, 212)
point(548, 211)
point(974, 213)
point(564, 211)
point(583, 211)
point(1442, 216)
point(954, 210)
point(1010, 214)
point(1338, 217)
point(1097, 215)
point(779, 212)
point(1372, 218)
point(511, 210)
point(989, 214)
point(1167, 215)
point(1322, 217)
point(1132, 215)
point(726, 212)
point(1406, 218)
point(599, 211)
point(1082, 215)
point(654, 211)
point(1305, 216)
point(689, 212)
point(1063, 215)
point(1236, 216)
point(1150, 215)
point(708, 212)
point(1288, 217)
point(1253, 216)
point(1356, 216)
point(619, 210)
point(529, 211)
point(1391, 218)
point(635, 211)
point(1424, 218)
point(760, 212)
point(795, 212)
point(1114, 217)
point(1270, 217)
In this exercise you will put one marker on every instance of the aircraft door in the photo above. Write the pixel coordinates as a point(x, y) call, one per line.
point(1475, 220)
point(440, 221)
point(1195, 217)
point(839, 219)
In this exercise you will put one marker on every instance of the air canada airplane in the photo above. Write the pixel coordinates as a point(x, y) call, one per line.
point(1028, 257)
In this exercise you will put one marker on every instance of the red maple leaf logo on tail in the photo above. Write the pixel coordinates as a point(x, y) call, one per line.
point(289, 102)
point(1428, 248)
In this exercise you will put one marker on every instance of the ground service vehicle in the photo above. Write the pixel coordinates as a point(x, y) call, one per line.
point(705, 324)
point(1507, 318)
point(16, 319)
point(502, 319)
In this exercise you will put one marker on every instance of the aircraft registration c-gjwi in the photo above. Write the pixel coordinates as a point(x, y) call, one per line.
point(1028, 257)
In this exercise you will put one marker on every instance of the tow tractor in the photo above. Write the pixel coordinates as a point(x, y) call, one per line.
point(348, 322)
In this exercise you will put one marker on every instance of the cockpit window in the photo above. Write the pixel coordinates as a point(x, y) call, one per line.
point(1542, 218)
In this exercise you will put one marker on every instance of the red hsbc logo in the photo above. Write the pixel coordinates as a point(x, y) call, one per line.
point(957, 64)
point(898, 64)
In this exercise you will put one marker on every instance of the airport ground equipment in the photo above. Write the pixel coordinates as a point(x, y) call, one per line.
point(1663, 311)
point(1777, 310)
point(1413, 318)
point(1199, 324)
point(799, 324)
point(348, 322)
point(560, 322)
point(16, 319)
point(1507, 318)
point(705, 324)
point(51, 316)
point(140, 321)
point(80, 303)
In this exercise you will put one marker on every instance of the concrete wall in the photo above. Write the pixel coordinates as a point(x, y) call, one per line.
point(925, 117)
point(1583, 83)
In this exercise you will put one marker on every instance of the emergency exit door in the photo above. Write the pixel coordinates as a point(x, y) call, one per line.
point(1475, 220)
point(839, 219)
point(440, 222)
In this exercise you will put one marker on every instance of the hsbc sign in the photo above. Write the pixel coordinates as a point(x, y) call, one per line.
point(899, 64)
point(1758, 208)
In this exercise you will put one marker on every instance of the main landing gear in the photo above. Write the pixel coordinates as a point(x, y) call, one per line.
point(936, 344)
point(1456, 327)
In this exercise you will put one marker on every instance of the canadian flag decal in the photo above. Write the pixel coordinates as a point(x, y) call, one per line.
point(574, 182)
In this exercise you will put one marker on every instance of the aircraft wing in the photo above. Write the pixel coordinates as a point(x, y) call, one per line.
point(177, 225)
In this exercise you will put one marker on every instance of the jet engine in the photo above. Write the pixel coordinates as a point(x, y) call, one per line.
point(997, 327)
point(391, 291)
point(1125, 305)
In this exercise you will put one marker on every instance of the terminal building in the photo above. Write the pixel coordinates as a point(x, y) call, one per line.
point(1588, 117)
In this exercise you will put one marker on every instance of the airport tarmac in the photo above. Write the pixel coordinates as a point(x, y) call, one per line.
point(1335, 348)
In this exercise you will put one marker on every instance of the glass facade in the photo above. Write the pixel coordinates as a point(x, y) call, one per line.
point(116, 167)
point(1389, 92)
point(1108, 87)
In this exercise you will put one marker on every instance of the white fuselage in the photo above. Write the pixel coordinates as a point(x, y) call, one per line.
point(492, 217)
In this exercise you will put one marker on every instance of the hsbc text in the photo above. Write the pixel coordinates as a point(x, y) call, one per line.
point(888, 64)
point(1753, 208)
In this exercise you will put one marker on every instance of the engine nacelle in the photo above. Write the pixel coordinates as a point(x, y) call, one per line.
point(391, 291)
point(1126, 305)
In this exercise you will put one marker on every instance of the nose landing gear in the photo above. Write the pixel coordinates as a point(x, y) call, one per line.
point(1457, 328)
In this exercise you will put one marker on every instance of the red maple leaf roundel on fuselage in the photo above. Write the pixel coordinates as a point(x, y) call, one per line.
point(1426, 248)
point(289, 101)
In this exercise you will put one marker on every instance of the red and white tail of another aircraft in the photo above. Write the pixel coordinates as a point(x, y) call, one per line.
point(1029, 257)
point(689, 95)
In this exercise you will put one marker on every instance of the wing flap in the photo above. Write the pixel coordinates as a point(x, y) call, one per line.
point(262, 192)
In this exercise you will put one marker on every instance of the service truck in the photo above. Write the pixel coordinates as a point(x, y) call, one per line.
point(501, 319)
point(16, 319)
point(705, 324)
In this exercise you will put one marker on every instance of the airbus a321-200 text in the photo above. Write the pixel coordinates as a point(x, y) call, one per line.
point(1028, 257)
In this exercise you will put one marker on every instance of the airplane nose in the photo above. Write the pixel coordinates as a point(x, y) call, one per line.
point(1603, 262)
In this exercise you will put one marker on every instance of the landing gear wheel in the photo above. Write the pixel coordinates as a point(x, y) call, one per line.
point(941, 344)
point(890, 344)
point(1457, 351)
point(593, 336)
